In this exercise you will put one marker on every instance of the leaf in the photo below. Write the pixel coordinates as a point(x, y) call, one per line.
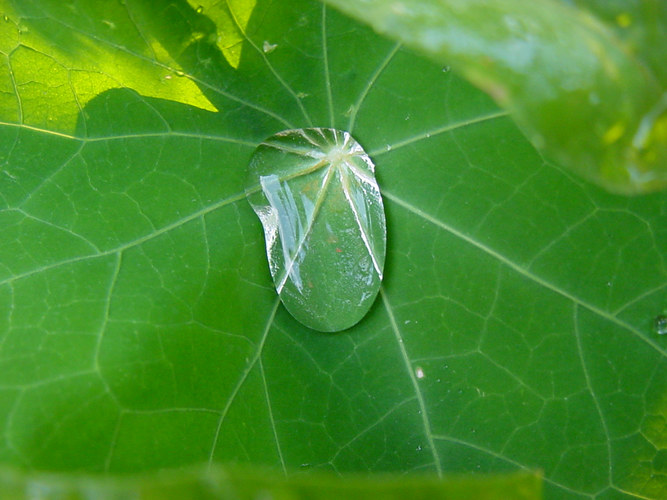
point(139, 326)
point(240, 483)
point(582, 96)
point(315, 192)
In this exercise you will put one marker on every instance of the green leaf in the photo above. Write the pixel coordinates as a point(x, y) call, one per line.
point(139, 325)
point(238, 483)
point(314, 190)
point(588, 97)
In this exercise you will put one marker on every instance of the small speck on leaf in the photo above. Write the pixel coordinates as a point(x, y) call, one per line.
point(268, 47)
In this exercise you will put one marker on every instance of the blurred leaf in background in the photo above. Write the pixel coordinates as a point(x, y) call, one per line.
point(588, 91)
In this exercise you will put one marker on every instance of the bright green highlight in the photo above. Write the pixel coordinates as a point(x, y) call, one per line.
point(72, 66)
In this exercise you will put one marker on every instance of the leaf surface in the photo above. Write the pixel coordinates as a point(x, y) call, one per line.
point(140, 328)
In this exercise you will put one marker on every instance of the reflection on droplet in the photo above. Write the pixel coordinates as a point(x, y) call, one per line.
point(315, 193)
point(660, 324)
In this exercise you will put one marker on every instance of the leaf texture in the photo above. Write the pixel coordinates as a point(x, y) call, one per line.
point(139, 325)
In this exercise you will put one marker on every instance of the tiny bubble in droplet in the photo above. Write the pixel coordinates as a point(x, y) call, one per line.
point(660, 324)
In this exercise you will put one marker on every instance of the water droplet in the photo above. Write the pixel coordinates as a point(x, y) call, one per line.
point(660, 324)
point(314, 190)
point(419, 372)
point(167, 77)
point(419, 448)
point(200, 9)
point(446, 69)
point(269, 47)
point(179, 72)
point(6, 18)
point(428, 135)
point(388, 147)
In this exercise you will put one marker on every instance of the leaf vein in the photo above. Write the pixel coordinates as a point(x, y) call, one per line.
point(408, 366)
point(521, 270)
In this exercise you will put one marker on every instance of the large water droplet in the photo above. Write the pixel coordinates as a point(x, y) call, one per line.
point(314, 190)
point(660, 324)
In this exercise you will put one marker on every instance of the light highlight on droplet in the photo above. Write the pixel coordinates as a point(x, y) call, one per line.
point(314, 190)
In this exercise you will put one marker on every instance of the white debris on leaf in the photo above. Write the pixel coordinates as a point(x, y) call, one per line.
point(268, 47)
